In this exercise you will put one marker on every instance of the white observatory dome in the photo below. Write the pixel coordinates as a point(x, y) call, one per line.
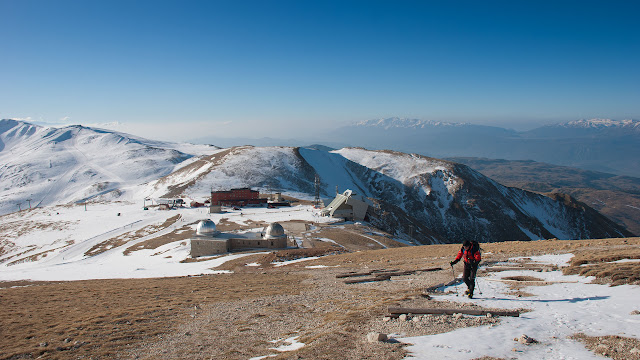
point(206, 228)
point(274, 231)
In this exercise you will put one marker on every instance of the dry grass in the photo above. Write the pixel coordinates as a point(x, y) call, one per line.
point(613, 346)
point(179, 234)
point(352, 239)
point(100, 318)
point(130, 236)
point(11, 230)
point(600, 264)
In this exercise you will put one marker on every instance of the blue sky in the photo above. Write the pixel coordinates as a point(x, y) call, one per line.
point(280, 68)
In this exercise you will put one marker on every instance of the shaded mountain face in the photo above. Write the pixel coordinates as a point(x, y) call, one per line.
point(436, 201)
point(617, 197)
point(597, 144)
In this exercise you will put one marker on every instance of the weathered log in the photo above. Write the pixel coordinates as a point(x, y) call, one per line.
point(355, 274)
point(377, 278)
point(392, 272)
point(396, 311)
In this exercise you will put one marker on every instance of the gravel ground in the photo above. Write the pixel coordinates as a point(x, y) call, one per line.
point(331, 317)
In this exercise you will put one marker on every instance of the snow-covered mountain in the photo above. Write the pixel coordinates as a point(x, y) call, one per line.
point(629, 124)
point(397, 122)
point(441, 201)
point(41, 166)
point(436, 200)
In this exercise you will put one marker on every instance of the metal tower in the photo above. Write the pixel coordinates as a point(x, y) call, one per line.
point(316, 184)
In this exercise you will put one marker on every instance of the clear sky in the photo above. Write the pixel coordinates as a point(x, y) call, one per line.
point(278, 68)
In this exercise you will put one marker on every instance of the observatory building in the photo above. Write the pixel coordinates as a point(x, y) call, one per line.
point(348, 206)
point(209, 241)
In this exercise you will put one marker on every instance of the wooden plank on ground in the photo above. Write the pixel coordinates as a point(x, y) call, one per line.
point(362, 280)
point(443, 311)
point(393, 272)
point(354, 274)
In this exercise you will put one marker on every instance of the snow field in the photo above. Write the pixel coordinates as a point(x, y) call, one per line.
point(557, 311)
point(81, 230)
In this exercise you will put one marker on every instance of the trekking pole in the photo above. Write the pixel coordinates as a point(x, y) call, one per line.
point(478, 286)
point(454, 278)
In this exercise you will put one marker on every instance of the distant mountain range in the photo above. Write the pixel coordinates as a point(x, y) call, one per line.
point(598, 144)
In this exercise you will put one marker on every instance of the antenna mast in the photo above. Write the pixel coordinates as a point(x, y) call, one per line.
point(316, 184)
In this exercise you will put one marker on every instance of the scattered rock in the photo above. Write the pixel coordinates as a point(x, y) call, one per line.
point(67, 340)
point(416, 319)
point(635, 312)
point(44, 344)
point(403, 317)
point(376, 336)
point(188, 333)
point(426, 296)
point(601, 349)
point(386, 319)
point(457, 316)
point(489, 315)
point(524, 339)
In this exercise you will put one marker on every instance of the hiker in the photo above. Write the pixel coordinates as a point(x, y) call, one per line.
point(470, 254)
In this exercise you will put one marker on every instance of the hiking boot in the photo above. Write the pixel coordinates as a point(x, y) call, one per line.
point(470, 294)
point(467, 292)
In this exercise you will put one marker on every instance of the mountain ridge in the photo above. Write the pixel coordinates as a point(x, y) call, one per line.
point(443, 201)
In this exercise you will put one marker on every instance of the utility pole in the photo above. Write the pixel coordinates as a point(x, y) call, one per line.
point(29, 200)
point(19, 208)
point(316, 184)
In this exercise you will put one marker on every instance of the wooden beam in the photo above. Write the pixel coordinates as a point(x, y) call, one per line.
point(394, 272)
point(354, 273)
point(443, 311)
point(377, 278)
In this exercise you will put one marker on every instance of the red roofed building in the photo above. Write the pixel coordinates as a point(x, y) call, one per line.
point(236, 197)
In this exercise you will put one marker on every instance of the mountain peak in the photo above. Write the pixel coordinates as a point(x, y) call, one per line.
point(402, 123)
point(602, 124)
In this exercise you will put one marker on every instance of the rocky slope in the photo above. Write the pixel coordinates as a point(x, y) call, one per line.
point(617, 197)
point(434, 200)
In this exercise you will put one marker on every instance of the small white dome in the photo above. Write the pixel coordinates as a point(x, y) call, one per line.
point(274, 231)
point(206, 227)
